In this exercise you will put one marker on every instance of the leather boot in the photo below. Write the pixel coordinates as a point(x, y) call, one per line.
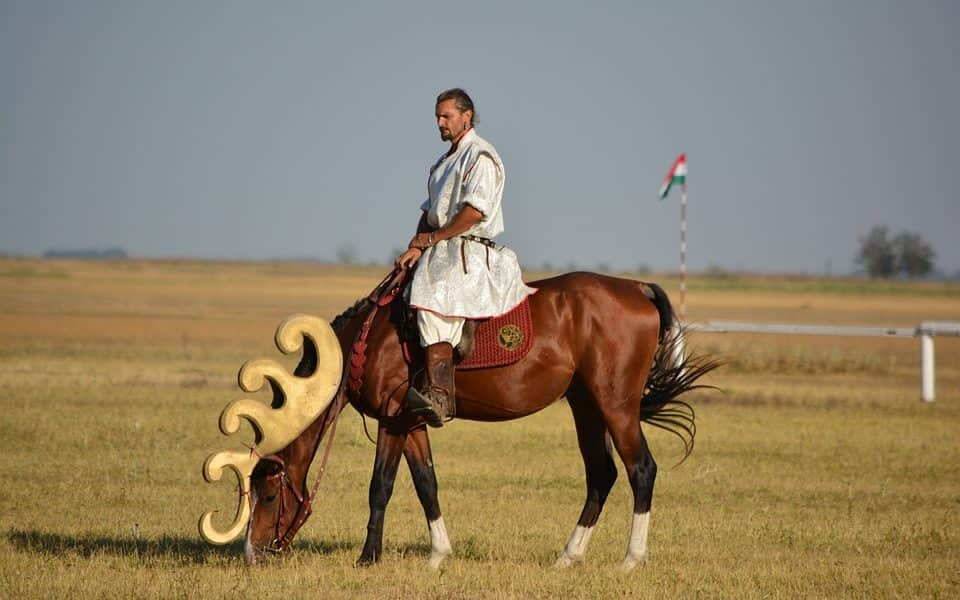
point(435, 400)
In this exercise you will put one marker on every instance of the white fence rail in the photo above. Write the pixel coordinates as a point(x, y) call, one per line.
point(926, 331)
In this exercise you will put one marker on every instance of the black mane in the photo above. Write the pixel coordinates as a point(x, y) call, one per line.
point(343, 318)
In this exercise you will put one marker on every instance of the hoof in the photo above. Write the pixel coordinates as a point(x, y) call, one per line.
point(437, 558)
point(630, 563)
point(565, 561)
point(366, 561)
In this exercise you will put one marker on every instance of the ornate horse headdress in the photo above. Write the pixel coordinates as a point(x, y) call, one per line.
point(298, 401)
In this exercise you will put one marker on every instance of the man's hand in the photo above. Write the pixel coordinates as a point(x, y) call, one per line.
point(409, 258)
point(422, 241)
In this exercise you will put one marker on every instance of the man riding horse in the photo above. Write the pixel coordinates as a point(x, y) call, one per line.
point(460, 273)
point(607, 345)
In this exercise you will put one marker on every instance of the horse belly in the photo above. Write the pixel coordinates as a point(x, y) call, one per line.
point(505, 393)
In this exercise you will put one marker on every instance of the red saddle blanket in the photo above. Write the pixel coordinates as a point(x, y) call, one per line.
point(501, 340)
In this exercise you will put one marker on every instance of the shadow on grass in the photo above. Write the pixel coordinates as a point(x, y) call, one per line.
point(324, 547)
point(180, 550)
point(191, 551)
point(176, 549)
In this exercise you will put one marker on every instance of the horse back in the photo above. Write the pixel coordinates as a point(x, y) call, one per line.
point(587, 304)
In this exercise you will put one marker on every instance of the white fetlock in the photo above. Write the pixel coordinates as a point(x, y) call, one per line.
point(637, 546)
point(439, 544)
point(575, 549)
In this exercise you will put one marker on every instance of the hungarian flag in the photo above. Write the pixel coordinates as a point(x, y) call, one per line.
point(676, 175)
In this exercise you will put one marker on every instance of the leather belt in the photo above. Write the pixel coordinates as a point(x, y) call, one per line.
point(480, 240)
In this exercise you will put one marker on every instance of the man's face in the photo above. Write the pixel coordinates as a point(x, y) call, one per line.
point(451, 120)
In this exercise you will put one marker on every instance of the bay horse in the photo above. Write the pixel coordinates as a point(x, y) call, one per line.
point(603, 343)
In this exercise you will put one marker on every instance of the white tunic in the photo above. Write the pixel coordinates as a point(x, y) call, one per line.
point(461, 277)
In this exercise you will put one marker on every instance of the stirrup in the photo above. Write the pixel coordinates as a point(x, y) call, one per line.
point(421, 406)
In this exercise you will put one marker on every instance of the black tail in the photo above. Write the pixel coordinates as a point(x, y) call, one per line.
point(662, 302)
point(671, 376)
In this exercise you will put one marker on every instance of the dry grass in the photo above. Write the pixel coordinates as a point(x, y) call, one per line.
point(817, 474)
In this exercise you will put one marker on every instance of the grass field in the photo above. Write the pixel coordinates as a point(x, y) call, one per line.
point(818, 473)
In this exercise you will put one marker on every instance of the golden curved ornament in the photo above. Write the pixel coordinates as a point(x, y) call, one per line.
point(298, 401)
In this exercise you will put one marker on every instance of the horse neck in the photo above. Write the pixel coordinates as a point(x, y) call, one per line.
point(299, 455)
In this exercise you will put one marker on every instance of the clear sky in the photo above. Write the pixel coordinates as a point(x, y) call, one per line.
point(248, 129)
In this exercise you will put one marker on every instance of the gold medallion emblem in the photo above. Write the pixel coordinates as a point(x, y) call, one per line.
point(510, 337)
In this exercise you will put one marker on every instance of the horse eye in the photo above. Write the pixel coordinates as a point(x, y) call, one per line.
point(270, 498)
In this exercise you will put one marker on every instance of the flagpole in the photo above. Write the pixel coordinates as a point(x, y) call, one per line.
point(683, 251)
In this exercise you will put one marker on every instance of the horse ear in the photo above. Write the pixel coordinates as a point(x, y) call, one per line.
point(298, 402)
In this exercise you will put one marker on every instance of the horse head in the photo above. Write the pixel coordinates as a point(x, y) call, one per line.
point(272, 500)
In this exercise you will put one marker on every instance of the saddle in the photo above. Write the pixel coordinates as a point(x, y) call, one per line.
point(485, 343)
point(498, 341)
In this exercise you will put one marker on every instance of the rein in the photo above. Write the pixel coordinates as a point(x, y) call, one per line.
point(306, 502)
point(385, 293)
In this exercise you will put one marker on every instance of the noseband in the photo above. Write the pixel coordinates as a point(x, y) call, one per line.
point(303, 511)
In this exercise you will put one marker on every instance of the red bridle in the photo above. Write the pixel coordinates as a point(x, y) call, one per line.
point(279, 543)
point(305, 507)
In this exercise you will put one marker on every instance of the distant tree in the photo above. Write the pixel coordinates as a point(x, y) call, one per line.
point(715, 271)
point(877, 255)
point(114, 252)
point(346, 254)
point(914, 255)
point(89, 253)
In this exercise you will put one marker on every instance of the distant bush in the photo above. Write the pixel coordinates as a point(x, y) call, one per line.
point(718, 272)
point(347, 254)
point(87, 254)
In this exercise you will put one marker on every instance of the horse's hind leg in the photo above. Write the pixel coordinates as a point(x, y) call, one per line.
point(419, 459)
point(600, 469)
point(642, 472)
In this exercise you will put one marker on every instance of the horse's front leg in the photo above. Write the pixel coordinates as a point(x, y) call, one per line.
point(419, 459)
point(390, 444)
